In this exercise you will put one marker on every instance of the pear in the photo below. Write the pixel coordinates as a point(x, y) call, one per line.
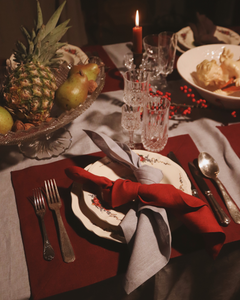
point(91, 70)
point(72, 92)
point(6, 120)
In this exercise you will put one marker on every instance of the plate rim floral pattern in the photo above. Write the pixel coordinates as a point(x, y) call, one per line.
point(185, 36)
point(114, 217)
point(73, 51)
point(101, 232)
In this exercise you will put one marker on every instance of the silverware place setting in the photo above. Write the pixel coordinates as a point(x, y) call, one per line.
point(54, 203)
point(40, 209)
point(222, 218)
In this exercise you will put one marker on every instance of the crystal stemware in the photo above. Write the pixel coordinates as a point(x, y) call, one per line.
point(136, 87)
point(150, 56)
point(167, 43)
point(155, 123)
point(131, 121)
point(128, 61)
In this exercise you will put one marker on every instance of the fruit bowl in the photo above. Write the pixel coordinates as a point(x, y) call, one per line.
point(50, 139)
point(188, 61)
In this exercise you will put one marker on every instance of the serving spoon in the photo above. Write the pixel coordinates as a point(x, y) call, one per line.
point(210, 169)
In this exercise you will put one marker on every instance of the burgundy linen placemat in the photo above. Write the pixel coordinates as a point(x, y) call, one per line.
point(232, 133)
point(96, 258)
point(114, 79)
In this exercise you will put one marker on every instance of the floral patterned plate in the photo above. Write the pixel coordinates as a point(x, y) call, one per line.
point(110, 219)
point(71, 54)
point(90, 220)
point(186, 39)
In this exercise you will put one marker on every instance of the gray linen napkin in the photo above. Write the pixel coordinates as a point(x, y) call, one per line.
point(207, 137)
point(146, 228)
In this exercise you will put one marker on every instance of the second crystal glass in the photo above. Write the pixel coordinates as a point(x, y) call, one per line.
point(155, 123)
point(150, 56)
point(136, 91)
point(131, 121)
point(136, 87)
point(167, 43)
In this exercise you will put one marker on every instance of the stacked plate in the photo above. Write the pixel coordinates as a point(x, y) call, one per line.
point(88, 205)
point(186, 38)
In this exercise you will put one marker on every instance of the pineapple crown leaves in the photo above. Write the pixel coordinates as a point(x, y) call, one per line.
point(43, 39)
point(51, 24)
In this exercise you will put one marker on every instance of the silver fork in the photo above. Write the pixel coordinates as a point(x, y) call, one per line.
point(55, 204)
point(40, 209)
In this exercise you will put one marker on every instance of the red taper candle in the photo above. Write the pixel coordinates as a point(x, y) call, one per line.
point(137, 35)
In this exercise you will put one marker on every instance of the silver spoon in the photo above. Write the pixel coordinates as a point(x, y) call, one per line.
point(210, 169)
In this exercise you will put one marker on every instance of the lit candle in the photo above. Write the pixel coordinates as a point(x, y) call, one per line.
point(137, 35)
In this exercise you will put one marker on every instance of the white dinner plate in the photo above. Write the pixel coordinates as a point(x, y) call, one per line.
point(186, 38)
point(106, 222)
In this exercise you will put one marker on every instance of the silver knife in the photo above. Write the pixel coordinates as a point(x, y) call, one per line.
point(220, 214)
point(173, 157)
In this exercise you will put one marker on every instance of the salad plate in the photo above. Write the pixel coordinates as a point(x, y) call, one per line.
point(89, 219)
point(186, 38)
point(108, 220)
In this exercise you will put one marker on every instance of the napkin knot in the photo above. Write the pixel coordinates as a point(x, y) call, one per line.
point(122, 154)
point(146, 174)
point(190, 210)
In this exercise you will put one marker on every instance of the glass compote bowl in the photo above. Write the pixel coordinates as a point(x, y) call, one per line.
point(50, 139)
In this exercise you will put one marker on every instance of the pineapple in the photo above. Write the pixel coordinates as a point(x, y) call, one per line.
point(29, 89)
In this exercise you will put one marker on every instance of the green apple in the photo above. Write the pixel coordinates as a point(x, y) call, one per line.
point(6, 120)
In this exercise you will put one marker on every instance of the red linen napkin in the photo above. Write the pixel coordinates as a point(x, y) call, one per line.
point(193, 212)
point(232, 133)
point(114, 79)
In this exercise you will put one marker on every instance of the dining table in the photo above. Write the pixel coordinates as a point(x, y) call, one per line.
point(100, 265)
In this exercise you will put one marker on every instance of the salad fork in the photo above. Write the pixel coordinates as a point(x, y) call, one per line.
point(40, 209)
point(54, 203)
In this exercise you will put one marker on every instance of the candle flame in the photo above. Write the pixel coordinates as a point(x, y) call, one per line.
point(137, 18)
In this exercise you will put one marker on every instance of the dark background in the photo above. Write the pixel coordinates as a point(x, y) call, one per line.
point(110, 21)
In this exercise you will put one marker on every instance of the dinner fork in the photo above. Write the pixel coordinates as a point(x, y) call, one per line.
point(54, 203)
point(40, 209)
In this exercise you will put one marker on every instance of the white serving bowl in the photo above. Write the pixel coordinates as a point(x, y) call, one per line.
point(188, 61)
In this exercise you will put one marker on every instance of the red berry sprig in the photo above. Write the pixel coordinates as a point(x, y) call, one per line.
point(184, 109)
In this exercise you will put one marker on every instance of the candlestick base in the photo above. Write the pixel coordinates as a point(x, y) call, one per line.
point(137, 59)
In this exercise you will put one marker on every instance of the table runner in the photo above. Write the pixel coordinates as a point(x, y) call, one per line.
point(96, 258)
